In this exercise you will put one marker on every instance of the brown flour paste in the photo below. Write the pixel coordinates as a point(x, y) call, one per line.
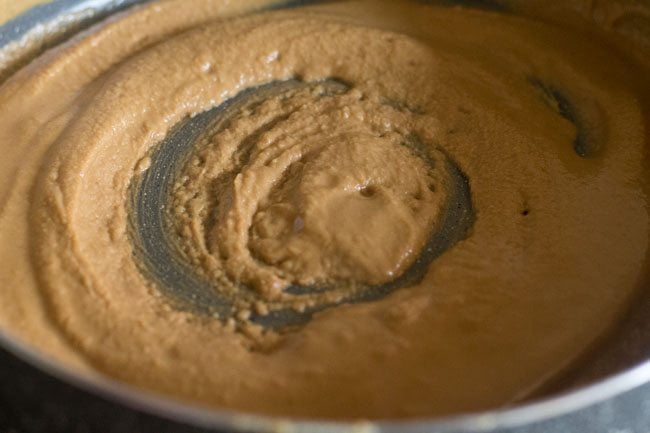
point(339, 181)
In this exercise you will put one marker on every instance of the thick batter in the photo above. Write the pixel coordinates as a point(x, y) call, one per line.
point(336, 176)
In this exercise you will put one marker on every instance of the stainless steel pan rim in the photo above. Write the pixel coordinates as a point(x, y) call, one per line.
point(524, 415)
point(536, 413)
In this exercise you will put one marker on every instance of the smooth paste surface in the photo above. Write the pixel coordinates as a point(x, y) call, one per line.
point(323, 186)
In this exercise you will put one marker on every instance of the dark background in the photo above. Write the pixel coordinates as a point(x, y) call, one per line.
point(33, 402)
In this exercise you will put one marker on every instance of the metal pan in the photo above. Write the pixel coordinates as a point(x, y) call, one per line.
point(610, 395)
